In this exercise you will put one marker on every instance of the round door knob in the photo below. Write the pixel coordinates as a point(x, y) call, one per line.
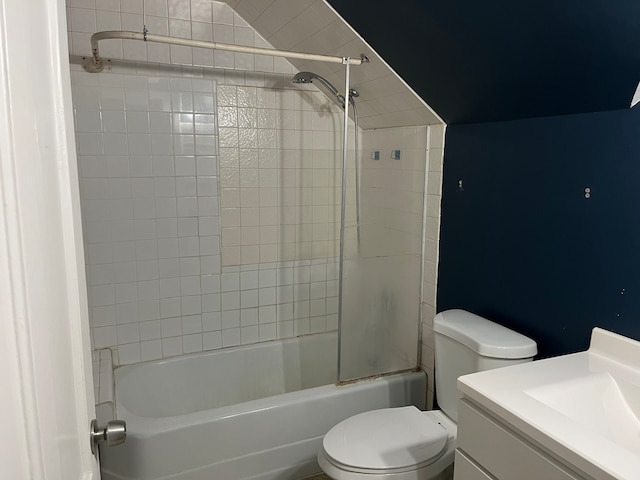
point(113, 433)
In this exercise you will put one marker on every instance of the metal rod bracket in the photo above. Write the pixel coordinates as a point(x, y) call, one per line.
point(91, 65)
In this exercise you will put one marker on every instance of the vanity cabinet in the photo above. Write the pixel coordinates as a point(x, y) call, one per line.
point(490, 450)
point(568, 417)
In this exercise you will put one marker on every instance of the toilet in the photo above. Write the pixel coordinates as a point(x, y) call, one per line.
point(408, 444)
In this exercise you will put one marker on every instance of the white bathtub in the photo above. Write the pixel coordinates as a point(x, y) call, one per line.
point(238, 413)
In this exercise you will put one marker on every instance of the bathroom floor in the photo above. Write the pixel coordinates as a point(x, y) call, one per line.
point(320, 476)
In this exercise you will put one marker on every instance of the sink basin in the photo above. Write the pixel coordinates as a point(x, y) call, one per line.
point(598, 403)
point(583, 409)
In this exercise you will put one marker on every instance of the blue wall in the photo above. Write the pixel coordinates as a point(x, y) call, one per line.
point(521, 244)
point(475, 61)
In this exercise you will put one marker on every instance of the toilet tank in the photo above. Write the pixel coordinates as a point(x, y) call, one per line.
point(467, 343)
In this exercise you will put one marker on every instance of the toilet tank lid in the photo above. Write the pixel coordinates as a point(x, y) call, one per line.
point(483, 336)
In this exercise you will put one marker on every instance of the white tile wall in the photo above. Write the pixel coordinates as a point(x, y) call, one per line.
point(151, 215)
point(280, 163)
point(393, 190)
point(103, 385)
point(142, 208)
point(196, 19)
point(432, 237)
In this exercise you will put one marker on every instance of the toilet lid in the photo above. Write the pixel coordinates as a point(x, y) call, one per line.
point(390, 438)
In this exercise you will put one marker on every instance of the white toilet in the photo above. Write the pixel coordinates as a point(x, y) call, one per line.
point(408, 444)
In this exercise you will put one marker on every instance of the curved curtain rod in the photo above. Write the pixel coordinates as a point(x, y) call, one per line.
point(95, 65)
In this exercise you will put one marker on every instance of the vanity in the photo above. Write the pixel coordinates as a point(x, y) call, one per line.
point(571, 417)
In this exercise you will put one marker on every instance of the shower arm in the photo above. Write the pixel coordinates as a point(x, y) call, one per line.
point(95, 64)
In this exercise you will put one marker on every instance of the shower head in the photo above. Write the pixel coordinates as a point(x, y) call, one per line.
point(310, 77)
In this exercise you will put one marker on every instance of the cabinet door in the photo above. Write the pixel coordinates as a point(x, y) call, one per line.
point(501, 452)
point(467, 470)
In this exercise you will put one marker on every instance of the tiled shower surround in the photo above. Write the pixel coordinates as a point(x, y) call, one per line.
point(280, 171)
point(211, 199)
point(150, 150)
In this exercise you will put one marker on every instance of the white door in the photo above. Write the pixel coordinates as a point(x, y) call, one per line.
point(46, 396)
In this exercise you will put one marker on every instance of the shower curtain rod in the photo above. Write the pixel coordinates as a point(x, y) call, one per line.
point(95, 65)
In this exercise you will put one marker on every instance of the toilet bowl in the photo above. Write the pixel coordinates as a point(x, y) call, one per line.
point(392, 443)
point(405, 443)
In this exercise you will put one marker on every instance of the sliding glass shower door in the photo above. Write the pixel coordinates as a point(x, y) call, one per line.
point(382, 262)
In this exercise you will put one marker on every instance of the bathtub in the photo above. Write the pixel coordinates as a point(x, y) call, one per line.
point(254, 412)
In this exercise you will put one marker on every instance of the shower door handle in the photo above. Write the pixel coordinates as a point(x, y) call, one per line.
point(113, 433)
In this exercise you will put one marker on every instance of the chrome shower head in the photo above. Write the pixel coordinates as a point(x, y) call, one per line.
point(303, 77)
point(309, 77)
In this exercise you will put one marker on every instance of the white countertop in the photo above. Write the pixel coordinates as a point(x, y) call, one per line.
point(595, 447)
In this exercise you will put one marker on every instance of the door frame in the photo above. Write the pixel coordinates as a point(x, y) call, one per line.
point(47, 395)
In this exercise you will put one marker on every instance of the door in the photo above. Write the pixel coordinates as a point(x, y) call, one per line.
point(47, 395)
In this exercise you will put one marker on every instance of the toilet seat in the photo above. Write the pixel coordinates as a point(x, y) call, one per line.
point(390, 440)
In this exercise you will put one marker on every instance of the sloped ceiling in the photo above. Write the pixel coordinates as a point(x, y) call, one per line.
point(477, 61)
point(312, 26)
